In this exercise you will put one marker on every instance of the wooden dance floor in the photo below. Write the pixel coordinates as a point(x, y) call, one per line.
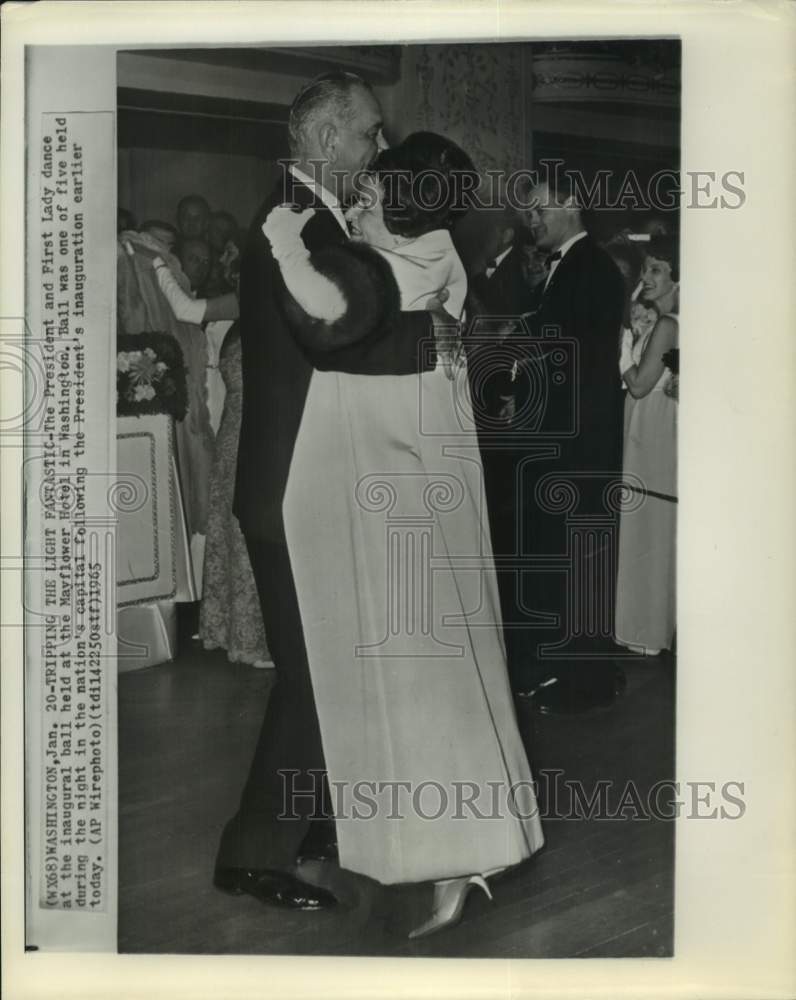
point(599, 888)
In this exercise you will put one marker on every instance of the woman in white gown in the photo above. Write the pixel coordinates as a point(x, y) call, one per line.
point(396, 582)
point(645, 603)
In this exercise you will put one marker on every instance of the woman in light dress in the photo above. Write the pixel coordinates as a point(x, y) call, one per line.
point(396, 582)
point(645, 604)
point(229, 615)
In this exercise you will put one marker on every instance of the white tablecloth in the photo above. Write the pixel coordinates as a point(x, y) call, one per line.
point(154, 568)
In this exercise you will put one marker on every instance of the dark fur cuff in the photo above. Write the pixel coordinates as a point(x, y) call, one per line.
point(366, 282)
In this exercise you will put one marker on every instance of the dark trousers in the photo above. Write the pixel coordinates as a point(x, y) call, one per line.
point(270, 823)
point(580, 592)
point(525, 534)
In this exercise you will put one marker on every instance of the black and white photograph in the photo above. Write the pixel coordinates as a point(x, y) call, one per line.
point(424, 657)
point(377, 588)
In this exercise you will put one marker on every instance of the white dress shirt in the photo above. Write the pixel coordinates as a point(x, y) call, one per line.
point(497, 262)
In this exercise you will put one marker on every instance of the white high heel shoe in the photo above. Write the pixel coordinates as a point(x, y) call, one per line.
point(449, 899)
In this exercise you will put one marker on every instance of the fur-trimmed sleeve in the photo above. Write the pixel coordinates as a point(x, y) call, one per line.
point(369, 296)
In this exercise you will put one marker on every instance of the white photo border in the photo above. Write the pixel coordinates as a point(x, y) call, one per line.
point(735, 882)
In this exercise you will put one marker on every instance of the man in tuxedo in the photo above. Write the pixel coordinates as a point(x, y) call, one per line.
point(503, 286)
point(505, 280)
point(505, 283)
point(567, 411)
point(335, 130)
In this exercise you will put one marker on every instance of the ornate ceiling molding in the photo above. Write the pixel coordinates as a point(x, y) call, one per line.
point(564, 76)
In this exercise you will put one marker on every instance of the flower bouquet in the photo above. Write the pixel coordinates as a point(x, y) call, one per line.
point(150, 375)
point(672, 360)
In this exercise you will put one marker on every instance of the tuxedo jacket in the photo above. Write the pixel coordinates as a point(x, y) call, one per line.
point(490, 302)
point(581, 402)
point(281, 346)
point(505, 292)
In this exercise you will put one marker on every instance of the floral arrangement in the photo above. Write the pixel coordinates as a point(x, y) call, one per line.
point(672, 361)
point(150, 375)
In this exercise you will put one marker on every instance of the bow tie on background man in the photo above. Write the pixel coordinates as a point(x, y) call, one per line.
point(552, 258)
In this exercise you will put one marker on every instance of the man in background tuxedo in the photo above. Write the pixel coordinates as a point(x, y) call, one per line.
point(501, 282)
point(503, 286)
point(566, 407)
point(335, 129)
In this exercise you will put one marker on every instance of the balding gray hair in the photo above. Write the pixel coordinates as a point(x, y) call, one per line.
point(326, 96)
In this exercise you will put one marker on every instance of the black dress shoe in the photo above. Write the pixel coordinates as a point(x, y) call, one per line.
point(320, 844)
point(273, 887)
point(577, 688)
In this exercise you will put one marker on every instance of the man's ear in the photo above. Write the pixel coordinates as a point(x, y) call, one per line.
point(328, 138)
point(507, 238)
point(572, 203)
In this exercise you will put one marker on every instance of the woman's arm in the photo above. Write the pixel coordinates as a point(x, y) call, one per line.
point(222, 307)
point(342, 305)
point(317, 295)
point(641, 379)
point(189, 310)
point(186, 309)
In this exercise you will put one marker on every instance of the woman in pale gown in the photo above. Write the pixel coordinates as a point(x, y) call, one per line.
point(646, 598)
point(229, 615)
point(396, 582)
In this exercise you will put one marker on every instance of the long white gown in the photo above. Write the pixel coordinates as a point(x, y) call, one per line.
point(387, 530)
point(646, 578)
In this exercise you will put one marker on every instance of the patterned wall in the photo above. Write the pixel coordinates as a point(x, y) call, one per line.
point(474, 94)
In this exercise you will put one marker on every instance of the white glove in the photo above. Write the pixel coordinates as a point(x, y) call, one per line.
point(316, 294)
point(283, 227)
point(186, 309)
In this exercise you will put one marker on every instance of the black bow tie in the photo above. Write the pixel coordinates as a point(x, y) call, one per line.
point(553, 257)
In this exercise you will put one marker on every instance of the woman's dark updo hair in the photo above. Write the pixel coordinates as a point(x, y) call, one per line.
point(665, 248)
point(426, 179)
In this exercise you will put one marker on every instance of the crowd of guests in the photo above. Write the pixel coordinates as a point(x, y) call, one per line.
point(195, 264)
point(199, 237)
point(515, 277)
